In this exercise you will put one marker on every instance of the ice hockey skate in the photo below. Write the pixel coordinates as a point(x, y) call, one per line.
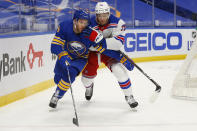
point(131, 101)
point(53, 101)
point(89, 92)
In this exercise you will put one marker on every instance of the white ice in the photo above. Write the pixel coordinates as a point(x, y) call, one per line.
point(107, 110)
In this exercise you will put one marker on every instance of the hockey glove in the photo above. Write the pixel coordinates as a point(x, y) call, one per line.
point(96, 37)
point(92, 35)
point(101, 46)
point(64, 58)
point(126, 62)
point(122, 58)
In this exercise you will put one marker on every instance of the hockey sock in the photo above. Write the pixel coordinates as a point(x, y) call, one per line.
point(62, 88)
point(87, 82)
point(126, 87)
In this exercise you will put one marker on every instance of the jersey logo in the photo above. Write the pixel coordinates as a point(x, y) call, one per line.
point(77, 48)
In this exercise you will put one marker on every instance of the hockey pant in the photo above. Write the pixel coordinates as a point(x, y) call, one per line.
point(117, 68)
point(61, 77)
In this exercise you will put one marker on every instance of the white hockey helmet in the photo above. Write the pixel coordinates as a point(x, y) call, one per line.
point(102, 7)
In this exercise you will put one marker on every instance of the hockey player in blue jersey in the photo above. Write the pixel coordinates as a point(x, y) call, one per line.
point(71, 47)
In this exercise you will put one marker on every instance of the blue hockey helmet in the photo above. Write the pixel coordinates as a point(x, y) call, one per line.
point(81, 14)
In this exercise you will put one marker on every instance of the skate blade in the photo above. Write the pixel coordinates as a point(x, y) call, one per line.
point(134, 109)
point(53, 109)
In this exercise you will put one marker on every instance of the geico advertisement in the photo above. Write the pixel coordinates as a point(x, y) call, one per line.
point(24, 61)
point(158, 42)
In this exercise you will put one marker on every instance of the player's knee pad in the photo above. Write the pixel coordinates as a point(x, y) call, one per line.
point(119, 72)
point(71, 75)
point(87, 81)
point(73, 72)
point(57, 78)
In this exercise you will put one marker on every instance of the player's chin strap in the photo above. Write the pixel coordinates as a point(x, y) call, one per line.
point(158, 87)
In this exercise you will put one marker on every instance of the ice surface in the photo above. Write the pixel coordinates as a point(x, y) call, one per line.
point(107, 109)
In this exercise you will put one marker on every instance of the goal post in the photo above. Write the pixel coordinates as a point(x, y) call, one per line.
point(185, 83)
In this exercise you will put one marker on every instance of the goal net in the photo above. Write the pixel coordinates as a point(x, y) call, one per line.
point(185, 82)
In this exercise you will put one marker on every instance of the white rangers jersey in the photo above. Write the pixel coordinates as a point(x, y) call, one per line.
point(114, 31)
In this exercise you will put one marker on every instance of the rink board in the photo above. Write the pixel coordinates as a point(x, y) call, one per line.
point(26, 64)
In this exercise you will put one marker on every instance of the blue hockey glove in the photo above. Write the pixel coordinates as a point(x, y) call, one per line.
point(121, 57)
point(126, 62)
point(64, 58)
point(101, 46)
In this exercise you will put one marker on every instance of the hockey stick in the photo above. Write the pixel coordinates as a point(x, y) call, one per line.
point(75, 119)
point(158, 87)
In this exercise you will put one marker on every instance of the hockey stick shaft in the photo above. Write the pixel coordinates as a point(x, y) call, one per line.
point(75, 120)
point(158, 87)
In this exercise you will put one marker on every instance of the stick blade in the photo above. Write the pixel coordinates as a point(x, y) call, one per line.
point(75, 121)
point(155, 95)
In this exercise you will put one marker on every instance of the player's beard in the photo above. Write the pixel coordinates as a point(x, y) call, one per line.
point(102, 22)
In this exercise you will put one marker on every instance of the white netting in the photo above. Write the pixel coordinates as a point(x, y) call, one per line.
point(185, 83)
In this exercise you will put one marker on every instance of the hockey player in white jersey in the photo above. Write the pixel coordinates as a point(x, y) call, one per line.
point(112, 29)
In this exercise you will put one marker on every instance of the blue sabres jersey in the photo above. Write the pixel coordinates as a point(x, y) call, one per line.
point(66, 41)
